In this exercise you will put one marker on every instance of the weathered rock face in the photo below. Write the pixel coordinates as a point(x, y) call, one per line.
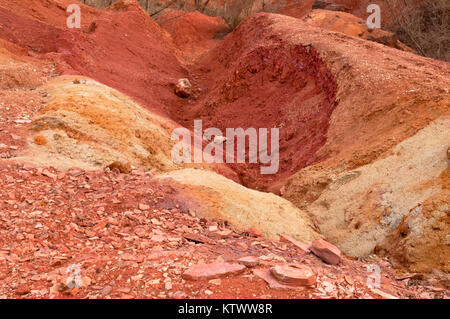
point(214, 197)
point(183, 88)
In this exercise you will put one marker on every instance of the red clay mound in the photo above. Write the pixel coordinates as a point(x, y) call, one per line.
point(359, 8)
point(297, 10)
point(255, 80)
point(120, 47)
point(52, 12)
point(193, 33)
point(354, 26)
point(271, 73)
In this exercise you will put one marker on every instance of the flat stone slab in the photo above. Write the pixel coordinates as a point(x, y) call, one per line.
point(299, 275)
point(273, 283)
point(302, 246)
point(249, 261)
point(326, 251)
point(224, 233)
point(212, 271)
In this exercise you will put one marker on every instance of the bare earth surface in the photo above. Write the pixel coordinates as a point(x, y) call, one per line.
point(131, 238)
point(92, 206)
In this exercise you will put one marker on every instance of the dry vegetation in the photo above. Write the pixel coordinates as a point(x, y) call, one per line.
point(425, 28)
point(232, 11)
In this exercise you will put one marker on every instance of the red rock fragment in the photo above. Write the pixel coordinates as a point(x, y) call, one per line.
point(255, 232)
point(211, 271)
point(179, 295)
point(106, 291)
point(302, 246)
point(299, 275)
point(49, 174)
point(223, 233)
point(23, 289)
point(249, 261)
point(242, 246)
point(196, 238)
point(158, 238)
point(141, 232)
point(326, 251)
point(273, 283)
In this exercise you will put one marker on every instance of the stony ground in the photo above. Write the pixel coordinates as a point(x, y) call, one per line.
point(99, 234)
point(82, 233)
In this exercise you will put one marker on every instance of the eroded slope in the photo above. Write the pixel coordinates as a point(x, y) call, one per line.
point(341, 103)
point(120, 47)
point(216, 197)
point(344, 107)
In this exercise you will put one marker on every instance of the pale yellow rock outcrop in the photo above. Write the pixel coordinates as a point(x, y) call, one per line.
point(400, 203)
point(215, 197)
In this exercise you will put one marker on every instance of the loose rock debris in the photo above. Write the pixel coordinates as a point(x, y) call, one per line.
point(123, 233)
point(92, 234)
point(326, 251)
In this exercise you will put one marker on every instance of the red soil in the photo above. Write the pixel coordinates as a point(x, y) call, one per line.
point(251, 79)
point(192, 32)
point(254, 80)
point(144, 65)
point(111, 47)
point(51, 12)
point(127, 234)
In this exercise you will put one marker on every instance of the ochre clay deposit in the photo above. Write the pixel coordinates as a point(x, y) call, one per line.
point(88, 177)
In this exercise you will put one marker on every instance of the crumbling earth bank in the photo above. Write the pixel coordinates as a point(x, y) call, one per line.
point(377, 98)
point(256, 79)
point(364, 169)
point(129, 236)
